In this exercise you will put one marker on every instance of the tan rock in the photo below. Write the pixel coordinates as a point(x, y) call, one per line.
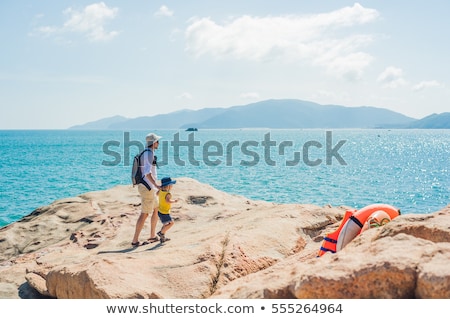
point(222, 246)
point(38, 283)
point(373, 265)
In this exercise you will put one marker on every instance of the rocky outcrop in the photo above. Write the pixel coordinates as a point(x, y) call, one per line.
point(407, 258)
point(222, 246)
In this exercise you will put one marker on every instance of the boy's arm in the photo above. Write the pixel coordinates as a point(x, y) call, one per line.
point(169, 198)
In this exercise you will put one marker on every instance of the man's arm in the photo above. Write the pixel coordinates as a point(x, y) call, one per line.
point(152, 180)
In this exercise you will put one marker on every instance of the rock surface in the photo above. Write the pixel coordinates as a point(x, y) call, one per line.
point(222, 246)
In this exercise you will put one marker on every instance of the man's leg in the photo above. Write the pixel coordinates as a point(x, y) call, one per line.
point(139, 225)
point(153, 222)
point(146, 207)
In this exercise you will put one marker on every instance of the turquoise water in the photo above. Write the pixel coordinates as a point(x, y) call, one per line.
point(405, 168)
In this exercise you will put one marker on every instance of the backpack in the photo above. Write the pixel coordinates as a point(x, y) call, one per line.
point(136, 171)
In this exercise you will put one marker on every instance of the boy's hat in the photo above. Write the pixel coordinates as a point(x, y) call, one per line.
point(167, 181)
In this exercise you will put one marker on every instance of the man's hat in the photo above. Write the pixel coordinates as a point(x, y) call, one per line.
point(152, 138)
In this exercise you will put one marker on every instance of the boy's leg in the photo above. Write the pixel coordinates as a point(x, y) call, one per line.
point(164, 229)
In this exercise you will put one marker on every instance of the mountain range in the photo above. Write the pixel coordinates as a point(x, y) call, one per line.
point(282, 113)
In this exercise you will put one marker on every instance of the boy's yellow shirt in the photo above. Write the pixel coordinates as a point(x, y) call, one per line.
point(164, 206)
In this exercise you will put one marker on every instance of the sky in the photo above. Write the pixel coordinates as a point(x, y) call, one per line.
point(65, 63)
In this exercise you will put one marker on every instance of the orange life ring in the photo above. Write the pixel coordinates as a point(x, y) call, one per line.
point(351, 226)
point(376, 219)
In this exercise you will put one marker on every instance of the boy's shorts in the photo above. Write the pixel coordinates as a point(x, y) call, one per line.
point(165, 218)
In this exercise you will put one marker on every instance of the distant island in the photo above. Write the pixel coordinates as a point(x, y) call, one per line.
point(276, 114)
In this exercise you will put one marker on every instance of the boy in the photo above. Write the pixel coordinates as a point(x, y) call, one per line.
point(165, 203)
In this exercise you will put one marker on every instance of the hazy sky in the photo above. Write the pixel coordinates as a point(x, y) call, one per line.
point(70, 62)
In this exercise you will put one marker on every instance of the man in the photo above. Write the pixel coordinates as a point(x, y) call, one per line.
point(148, 190)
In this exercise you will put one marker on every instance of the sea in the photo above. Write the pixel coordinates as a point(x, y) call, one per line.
point(408, 169)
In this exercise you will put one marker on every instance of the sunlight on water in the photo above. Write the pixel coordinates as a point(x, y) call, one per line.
point(405, 168)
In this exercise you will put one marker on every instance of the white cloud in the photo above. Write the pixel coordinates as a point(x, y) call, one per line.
point(185, 96)
point(349, 66)
point(313, 39)
point(90, 21)
point(44, 78)
point(249, 95)
point(47, 30)
point(164, 11)
point(392, 78)
point(326, 95)
point(426, 84)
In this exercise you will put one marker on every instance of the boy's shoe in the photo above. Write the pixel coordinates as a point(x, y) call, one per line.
point(162, 238)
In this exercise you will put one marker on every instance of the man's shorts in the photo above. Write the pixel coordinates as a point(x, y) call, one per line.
point(148, 199)
point(165, 218)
